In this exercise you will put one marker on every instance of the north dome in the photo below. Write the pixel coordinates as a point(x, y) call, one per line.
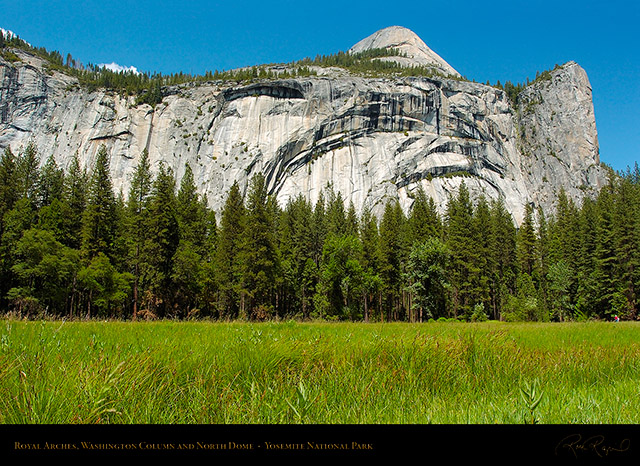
point(407, 42)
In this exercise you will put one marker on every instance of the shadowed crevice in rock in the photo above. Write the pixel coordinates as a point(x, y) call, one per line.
point(371, 138)
point(278, 90)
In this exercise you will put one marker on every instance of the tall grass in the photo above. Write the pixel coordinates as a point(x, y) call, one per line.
point(181, 372)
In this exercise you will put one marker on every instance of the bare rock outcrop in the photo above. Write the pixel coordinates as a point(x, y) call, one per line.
point(370, 138)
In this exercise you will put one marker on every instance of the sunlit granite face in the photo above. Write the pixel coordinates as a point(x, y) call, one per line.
point(372, 139)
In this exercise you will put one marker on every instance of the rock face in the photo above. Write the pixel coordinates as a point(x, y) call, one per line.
point(371, 138)
point(558, 137)
point(415, 51)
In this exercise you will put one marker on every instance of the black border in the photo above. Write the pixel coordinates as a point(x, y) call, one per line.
point(568, 444)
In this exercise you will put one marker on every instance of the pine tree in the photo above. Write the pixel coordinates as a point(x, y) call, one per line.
point(627, 240)
point(259, 254)
point(50, 183)
point(137, 215)
point(74, 203)
point(564, 238)
point(371, 260)
point(604, 276)
point(319, 229)
point(351, 221)
point(187, 279)
point(160, 246)
point(528, 260)
point(335, 215)
point(288, 286)
point(228, 251)
point(192, 213)
point(28, 172)
point(299, 272)
point(392, 251)
point(9, 182)
point(51, 215)
point(543, 265)
point(460, 241)
point(527, 243)
point(564, 230)
point(209, 284)
point(424, 221)
point(503, 256)
point(121, 243)
point(52, 219)
point(484, 239)
point(100, 217)
point(586, 259)
point(188, 273)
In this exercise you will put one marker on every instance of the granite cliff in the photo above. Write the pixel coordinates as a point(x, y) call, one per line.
point(371, 137)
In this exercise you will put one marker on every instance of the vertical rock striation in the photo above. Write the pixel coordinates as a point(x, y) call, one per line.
point(372, 139)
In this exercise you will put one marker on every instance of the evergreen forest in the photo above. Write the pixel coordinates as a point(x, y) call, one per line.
point(70, 247)
point(150, 88)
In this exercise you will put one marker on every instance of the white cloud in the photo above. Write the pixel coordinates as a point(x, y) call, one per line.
point(119, 68)
point(9, 34)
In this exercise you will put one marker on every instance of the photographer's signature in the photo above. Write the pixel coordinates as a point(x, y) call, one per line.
point(576, 444)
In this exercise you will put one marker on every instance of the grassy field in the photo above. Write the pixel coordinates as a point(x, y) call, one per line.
point(184, 372)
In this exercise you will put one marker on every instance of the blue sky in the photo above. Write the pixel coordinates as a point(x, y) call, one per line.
point(499, 40)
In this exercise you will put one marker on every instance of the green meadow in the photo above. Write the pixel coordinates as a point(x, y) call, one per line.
point(202, 373)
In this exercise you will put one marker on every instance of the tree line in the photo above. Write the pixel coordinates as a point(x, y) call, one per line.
point(71, 247)
point(148, 87)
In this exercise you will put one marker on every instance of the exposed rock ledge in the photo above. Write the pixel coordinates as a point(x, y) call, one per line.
point(372, 139)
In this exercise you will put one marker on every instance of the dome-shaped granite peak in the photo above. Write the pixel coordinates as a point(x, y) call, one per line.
point(406, 41)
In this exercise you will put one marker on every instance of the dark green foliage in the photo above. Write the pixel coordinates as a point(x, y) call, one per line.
point(28, 174)
point(626, 226)
point(50, 183)
point(151, 96)
point(461, 241)
point(602, 284)
point(191, 213)
point(502, 251)
point(524, 306)
point(424, 220)
point(136, 223)
point(526, 246)
point(484, 238)
point(9, 181)
point(228, 254)
point(148, 87)
point(336, 219)
point(45, 270)
point(427, 278)
point(318, 229)
point(259, 254)
point(371, 261)
point(559, 279)
point(74, 203)
point(368, 63)
point(189, 265)
point(70, 247)
point(393, 248)
point(341, 278)
point(161, 243)
point(298, 268)
point(99, 221)
point(105, 289)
